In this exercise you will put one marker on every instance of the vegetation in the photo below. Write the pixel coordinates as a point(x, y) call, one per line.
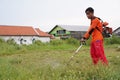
point(48, 61)
point(112, 40)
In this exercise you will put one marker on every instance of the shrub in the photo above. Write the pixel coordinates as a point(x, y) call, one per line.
point(56, 42)
point(1, 40)
point(11, 41)
point(38, 42)
point(72, 41)
point(112, 40)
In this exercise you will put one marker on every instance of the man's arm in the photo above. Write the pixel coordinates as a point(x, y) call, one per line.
point(91, 29)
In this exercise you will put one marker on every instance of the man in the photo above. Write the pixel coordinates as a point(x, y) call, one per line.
point(95, 29)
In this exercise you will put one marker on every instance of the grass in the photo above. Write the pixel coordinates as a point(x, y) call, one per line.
point(42, 61)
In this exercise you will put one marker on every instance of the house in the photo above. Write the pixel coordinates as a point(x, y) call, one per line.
point(117, 32)
point(43, 36)
point(67, 31)
point(23, 34)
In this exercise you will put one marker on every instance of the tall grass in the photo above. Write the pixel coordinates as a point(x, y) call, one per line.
point(10, 47)
point(112, 40)
point(48, 61)
point(52, 65)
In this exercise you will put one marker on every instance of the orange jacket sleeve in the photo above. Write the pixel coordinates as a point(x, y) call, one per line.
point(93, 25)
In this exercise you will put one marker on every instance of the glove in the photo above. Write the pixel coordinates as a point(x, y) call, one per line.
point(83, 41)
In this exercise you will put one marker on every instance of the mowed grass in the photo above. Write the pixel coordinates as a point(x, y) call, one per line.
point(50, 62)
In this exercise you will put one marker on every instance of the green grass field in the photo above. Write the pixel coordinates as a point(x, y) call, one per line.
point(48, 62)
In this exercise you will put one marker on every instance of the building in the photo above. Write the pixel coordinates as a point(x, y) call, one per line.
point(23, 34)
point(67, 31)
point(43, 36)
point(117, 32)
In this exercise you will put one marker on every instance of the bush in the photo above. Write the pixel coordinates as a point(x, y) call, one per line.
point(56, 42)
point(38, 42)
point(112, 40)
point(72, 41)
point(11, 41)
point(1, 40)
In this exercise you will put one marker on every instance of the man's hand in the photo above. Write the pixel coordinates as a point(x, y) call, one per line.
point(83, 41)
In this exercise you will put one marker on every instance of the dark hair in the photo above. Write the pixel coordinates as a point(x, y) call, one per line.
point(90, 9)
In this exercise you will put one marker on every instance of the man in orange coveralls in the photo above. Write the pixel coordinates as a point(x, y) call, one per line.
point(95, 29)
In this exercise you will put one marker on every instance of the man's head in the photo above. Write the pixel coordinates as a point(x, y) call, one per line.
point(89, 12)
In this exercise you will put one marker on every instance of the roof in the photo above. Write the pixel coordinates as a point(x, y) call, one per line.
point(72, 27)
point(52, 36)
point(41, 33)
point(17, 30)
point(116, 29)
point(21, 31)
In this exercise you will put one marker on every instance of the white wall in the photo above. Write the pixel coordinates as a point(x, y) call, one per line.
point(44, 39)
point(26, 39)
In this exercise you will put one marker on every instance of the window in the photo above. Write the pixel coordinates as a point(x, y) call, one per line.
point(33, 40)
point(21, 41)
point(25, 40)
point(61, 31)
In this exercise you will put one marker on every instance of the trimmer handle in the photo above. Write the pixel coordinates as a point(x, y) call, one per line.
point(83, 43)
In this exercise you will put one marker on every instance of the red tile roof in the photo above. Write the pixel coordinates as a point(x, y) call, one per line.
point(16, 30)
point(21, 31)
point(41, 33)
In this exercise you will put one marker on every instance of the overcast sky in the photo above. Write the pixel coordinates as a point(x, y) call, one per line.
point(47, 13)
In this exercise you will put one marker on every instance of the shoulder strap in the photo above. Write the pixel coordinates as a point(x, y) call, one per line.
point(90, 32)
point(98, 29)
point(100, 19)
point(101, 22)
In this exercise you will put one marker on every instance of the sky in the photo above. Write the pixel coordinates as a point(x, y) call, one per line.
point(45, 14)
